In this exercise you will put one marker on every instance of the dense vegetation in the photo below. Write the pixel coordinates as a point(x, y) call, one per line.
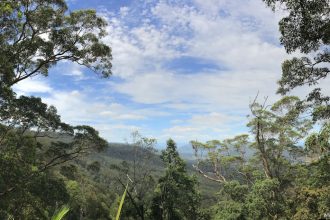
point(279, 170)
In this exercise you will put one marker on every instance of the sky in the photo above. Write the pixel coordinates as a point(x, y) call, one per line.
point(185, 70)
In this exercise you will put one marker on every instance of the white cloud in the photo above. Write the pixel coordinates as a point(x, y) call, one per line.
point(141, 47)
point(32, 85)
point(123, 11)
point(239, 38)
point(222, 90)
point(230, 36)
point(206, 126)
point(75, 70)
point(114, 120)
point(212, 119)
point(77, 107)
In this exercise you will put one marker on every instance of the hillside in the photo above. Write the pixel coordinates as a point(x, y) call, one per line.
point(116, 153)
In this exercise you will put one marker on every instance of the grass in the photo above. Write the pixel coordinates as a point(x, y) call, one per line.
point(61, 213)
point(121, 203)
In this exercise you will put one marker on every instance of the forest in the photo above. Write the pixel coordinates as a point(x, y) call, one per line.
point(278, 170)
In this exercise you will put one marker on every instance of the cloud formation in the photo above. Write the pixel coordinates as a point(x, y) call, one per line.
point(182, 69)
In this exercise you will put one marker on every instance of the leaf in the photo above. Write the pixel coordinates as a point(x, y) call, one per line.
point(121, 203)
point(61, 213)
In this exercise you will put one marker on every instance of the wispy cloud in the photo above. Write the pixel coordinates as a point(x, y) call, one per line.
point(32, 85)
point(182, 69)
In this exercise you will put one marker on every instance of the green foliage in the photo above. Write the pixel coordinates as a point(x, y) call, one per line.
point(94, 167)
point(231, 206)
point(319, 143)
point(277, 133)
point(140, 171)
point(22, 177)
point(176, 196)
point(277, 181)
point(35, 36)
point(225, 159)
point(306, 28)
point(45, 29)
point(313, 203)
point(228, 210)
point(261, 201)
point(235, 191)
point(264, 201)
point(24, 159)
point(61, 213)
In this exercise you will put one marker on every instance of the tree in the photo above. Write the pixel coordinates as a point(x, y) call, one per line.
point(277, 133)
point(259, 185)
point(306, 28)
point(35, 35)
point(26, 158)
point(176, 196)
point(139, 175)
point(318, 143)
point(224, 159)
point(265, 201)
point(231, 205)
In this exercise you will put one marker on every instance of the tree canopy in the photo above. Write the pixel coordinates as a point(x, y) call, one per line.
point(176, 196)
point(306, 29)
point(36, 35)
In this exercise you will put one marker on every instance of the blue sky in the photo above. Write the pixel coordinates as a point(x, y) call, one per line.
point(181, 69)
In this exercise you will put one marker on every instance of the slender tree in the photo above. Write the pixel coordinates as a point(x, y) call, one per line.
point(139, 174)
point(176, 196)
